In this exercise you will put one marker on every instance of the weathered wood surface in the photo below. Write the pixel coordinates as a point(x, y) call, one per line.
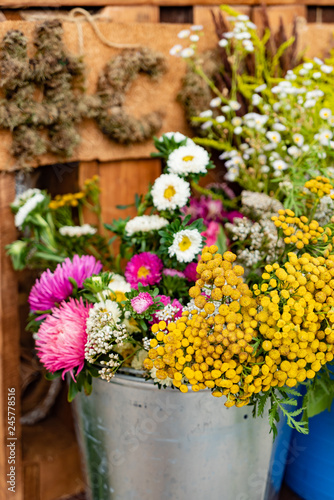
point(317, 38)
point(9, 342)
point(144, 95)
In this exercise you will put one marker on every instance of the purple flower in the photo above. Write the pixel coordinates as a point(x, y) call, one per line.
point(142, 302)
point(211, 233)
point(54, 287)
point(190, 271)
point(144, 268)
point(172, 272)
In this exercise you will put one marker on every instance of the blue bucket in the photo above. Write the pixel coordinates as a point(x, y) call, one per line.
point(310, 462)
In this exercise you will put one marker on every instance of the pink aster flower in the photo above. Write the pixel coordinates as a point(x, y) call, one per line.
point(172, 272)
point(54, 287)
point(176, 312)
point(142, 302)
point(144, 268)
point(190, 271)
point(61, 338)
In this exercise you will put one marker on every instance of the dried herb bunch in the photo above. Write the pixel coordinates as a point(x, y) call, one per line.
point(49, 122)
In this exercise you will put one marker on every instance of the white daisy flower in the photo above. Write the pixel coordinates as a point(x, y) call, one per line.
point(324, 137)
point(188, 52)
point(170, 191)
point(317, 75)
point(280, 165)
point(298, 139)
point(308, 65)
point(235, 105)
point(194, 38)
point(176, 50)
point(303, 72)
point(310, 103)
point(236, 121)
point(232, 174)
point(326, 69)
point(183, 34)
point(318, 61)
point(220, 119)
point(229, 35)
point(223, 42)
point(145, 224)
point(294, 151)
point(256, 99)
point(261, 88)
point(177, 137)
point(119, 284)
point(186, 160)
point(331, 121)
point(274, 137)
point(214, 103)
point(206, 114)
point(226, 109)
point(265, 169)
point(206, 125)
point(196, 27)
point(77, 231)
point(186, 245)
point(238, 130)
point(325, 113)
point(279, 127)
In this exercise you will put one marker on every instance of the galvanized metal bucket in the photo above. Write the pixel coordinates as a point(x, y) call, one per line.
point(142, 443)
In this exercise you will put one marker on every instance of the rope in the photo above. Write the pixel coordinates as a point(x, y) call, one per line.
point(72, 18)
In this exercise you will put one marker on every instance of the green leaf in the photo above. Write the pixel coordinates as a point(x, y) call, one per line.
point(52, 376)
point(73, 390)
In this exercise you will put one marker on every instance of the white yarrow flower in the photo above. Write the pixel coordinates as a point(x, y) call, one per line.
point(170, 191)
point(223, 42)
point(27, 208)
point(145, 224)
point(186, 245)
point(77, 231)
point(186, 160)
point(220, 119)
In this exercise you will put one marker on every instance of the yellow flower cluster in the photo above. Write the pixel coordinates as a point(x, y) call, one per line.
point(320, 186)
point(239, 343)
point(295, 319)
point(301, 232)
point(71, 200)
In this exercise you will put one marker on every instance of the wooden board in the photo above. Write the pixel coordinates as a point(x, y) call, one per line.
point(144, 95)
point(203, 16)
point(9, 342)
point(88, 3)
point(317, 38)
point(275, 13)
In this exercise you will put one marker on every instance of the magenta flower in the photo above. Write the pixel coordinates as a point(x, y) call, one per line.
point(144, 268)
point(166, 301)
point(190, 271)
point(142, 302)
point(173, 272)
point(61, 338)
point(211, 233)
point(52, 288)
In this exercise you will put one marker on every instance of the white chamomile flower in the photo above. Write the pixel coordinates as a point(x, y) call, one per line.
point(186, 245)
point(223, 42)
point(177, 137)
point(194, 38)
point(197, 27)
point(170, 191)
point(280, 165)
point(298, 139)
point(318, 61)
point(277, 106)
point(279, 127)
point(145, 224)
point(248, 45)
point(326, 69)
point(325, 113)
point(176, 50)
point(232, 174)
point(226, 109)
point(235, 105)
point(183, 34)
point(303, 72)
point(316, 75)
point(214, 103)
point(220, 119)
point(308, 65)
point(229, 35)
point(237, 130)
point(256, 99)
point(274, 137)
point(331, 121)
point(310, 103)
point(77, 231)
point(261, 88)
point(206, 114)
point(206, 125)
point(265, 169)
point(188, 52)
point(294, 151)
point(186, 160)
point(236, 121)
point(325, 136)
point(305, 148)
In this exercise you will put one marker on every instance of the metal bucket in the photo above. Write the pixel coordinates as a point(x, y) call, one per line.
point(142, 443)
